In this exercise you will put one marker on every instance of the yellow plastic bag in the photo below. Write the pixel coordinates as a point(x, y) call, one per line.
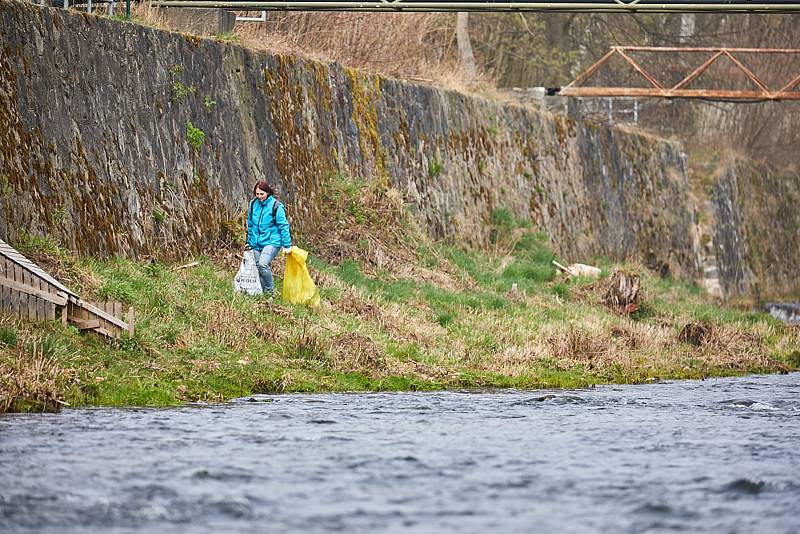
point(298, 287)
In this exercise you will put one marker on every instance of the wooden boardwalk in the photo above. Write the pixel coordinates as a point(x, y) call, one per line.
point(27, 291)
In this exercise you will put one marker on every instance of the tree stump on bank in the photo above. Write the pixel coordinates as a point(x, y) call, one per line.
point(622, 292)
point(696, 333)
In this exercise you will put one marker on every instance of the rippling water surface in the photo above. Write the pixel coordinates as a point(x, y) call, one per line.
point(709, 456)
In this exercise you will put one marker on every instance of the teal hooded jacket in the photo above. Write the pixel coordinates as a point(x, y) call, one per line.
point(263, 230)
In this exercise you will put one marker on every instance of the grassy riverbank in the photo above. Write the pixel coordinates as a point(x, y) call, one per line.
point(398, 313)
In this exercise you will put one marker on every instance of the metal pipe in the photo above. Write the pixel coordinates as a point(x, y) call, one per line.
point(734, 6)
point(680, 93)
point(707, 49)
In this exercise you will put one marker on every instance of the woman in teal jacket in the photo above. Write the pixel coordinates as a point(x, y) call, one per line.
point(267, 232)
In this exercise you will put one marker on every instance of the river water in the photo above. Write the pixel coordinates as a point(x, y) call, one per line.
point(718, 456)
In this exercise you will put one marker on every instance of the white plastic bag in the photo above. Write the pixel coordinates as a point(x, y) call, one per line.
point(246, 280)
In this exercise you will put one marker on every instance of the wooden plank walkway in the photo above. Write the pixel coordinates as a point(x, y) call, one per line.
point(28, 291)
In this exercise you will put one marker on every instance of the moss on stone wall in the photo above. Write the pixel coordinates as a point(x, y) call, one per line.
point(364, 91)
point(115, 167)
point(757, 233)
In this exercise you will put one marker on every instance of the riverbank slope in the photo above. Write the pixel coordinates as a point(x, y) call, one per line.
point(399, 312)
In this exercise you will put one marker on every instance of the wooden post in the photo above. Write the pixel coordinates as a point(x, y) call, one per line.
point(5, 299)
point(130, 322)
point(19, 305)
point(27, 279)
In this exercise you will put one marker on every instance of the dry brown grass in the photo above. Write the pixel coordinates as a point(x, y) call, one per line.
point(577, 345)
point(642, 336)
point(227, 255)
point(408, 45)
point(355, 353)
point(232, 329)
point(445, 276)
point(732, 347)
point(590, 294)
point(373, 228)
point(516, 357)
point(147, 14)
point(401, 323)
point(421, 371)
point(229, 328)
point(354, 302)
point(369, 221)
point(309, 344)
point(324, 346)
point(280, 385)
point(406, 325)
point(370, 225)
point(67, 270)
point(204, 366)
point(419, 47)
point(631, 344)
point(793, 331)
point(31, 381)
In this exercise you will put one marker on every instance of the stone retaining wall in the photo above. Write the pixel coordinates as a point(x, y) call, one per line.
point(98, 120)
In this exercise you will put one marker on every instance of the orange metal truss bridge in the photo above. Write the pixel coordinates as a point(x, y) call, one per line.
point(786, 88)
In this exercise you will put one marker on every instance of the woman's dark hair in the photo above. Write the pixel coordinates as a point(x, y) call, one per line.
point(264, 186)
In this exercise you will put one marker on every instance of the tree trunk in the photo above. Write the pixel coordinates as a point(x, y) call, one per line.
point(465, 58)
point(622, 292)
point(687, 28)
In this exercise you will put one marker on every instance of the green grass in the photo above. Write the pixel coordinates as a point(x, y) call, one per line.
point(377, 331)
point(8, 336)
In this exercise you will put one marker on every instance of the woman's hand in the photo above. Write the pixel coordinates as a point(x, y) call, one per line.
point(287, 250)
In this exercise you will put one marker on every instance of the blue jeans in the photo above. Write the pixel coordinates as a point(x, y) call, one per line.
point(263, 259)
